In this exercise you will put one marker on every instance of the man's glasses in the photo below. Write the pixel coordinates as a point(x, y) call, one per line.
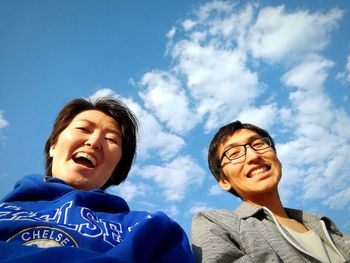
point(238, 151)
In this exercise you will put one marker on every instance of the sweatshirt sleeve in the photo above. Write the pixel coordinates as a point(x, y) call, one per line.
point(211, 242)
point(155, 240)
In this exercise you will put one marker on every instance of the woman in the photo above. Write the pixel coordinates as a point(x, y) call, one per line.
point(67, 217)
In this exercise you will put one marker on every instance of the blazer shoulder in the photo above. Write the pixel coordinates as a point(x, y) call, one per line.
point(217, 216)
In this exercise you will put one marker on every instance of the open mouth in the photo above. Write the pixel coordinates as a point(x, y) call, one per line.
point(85, 159)
point(258, 171)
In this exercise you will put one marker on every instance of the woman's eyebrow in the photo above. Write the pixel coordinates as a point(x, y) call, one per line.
point(116, 131)
point(112, 130)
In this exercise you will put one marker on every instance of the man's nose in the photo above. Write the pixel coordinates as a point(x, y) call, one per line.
point(251, 154)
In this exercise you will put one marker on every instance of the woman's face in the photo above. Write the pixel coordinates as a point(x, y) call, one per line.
point(87, 150)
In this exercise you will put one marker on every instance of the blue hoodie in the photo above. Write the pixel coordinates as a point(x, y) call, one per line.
point(58, 223)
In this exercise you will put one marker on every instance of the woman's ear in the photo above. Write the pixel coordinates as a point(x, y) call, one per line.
point(52, 150)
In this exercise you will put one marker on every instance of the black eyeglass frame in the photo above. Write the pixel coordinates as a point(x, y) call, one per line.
point(266, 139)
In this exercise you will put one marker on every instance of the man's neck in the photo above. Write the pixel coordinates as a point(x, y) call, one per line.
point(273, 202)
point(270, 200)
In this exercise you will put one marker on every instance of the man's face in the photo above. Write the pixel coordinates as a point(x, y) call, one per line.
point(253, 174)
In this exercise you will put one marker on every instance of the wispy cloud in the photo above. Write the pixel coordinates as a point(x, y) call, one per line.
point(217, 61)
point(154, 139)
point(129, 190)
point(278, 34)
point(157, 144)
point(345, 75)
point(264, 65)
point(3, 121)
point(174, 177)
point(199, 207)
point(340, 200)
point(216, 190)
point(321, 139)
point(165, 97)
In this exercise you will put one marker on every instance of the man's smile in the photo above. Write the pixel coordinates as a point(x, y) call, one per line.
point(257, 171)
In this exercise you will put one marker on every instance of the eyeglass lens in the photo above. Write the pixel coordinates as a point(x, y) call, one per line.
point(240, 150)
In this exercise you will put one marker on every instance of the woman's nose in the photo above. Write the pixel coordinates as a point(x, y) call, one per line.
point(94, 141)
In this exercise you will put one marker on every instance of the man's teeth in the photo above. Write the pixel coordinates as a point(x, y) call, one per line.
point(257, 171)
point(87, 156)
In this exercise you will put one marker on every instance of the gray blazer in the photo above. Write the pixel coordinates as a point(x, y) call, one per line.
point(252, 234)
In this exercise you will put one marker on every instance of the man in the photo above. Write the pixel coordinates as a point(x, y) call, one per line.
point(242, 157)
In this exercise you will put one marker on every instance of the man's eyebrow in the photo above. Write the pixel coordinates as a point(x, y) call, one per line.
point(249, 139)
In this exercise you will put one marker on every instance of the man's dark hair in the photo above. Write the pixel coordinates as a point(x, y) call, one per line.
point(222, 135)
point(111, 107)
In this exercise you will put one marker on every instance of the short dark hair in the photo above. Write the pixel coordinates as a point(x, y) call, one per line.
point(111, 107)
point(221, 136)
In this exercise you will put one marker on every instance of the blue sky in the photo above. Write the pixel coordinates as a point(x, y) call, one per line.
point(186, 68)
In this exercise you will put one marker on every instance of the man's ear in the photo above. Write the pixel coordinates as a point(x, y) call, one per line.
point(225, 184)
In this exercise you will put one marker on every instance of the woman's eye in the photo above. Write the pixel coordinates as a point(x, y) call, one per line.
point(111, 140)
point(83, 129)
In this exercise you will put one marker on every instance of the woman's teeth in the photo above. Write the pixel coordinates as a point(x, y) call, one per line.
point(86, 156)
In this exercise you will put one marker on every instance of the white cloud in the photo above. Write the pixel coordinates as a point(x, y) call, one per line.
point(340, 200)
point(348, 69)
point(171, 33)
point(188, 24)
point(213, 68)
point(308, 75)
point(286, 116)
point(164, 96)
point(231, 27)
point(310, 102)
point(209, 67)
point(216, 76)
point(345, 75)
point(278, 34)
point(129, 190)
point(3, 121)
point(3, 124)
point(174, 177)
point(216, 190)
point(263, 116)
point(212, 55)
point(211, 61)
point(153, 140)
point(315, 159)
point(206, 10)
point(172, 211)
point(199, 207)
point(104, 92)
point(218, 81)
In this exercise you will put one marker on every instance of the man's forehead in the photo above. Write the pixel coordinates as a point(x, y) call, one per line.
point(238, 138)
